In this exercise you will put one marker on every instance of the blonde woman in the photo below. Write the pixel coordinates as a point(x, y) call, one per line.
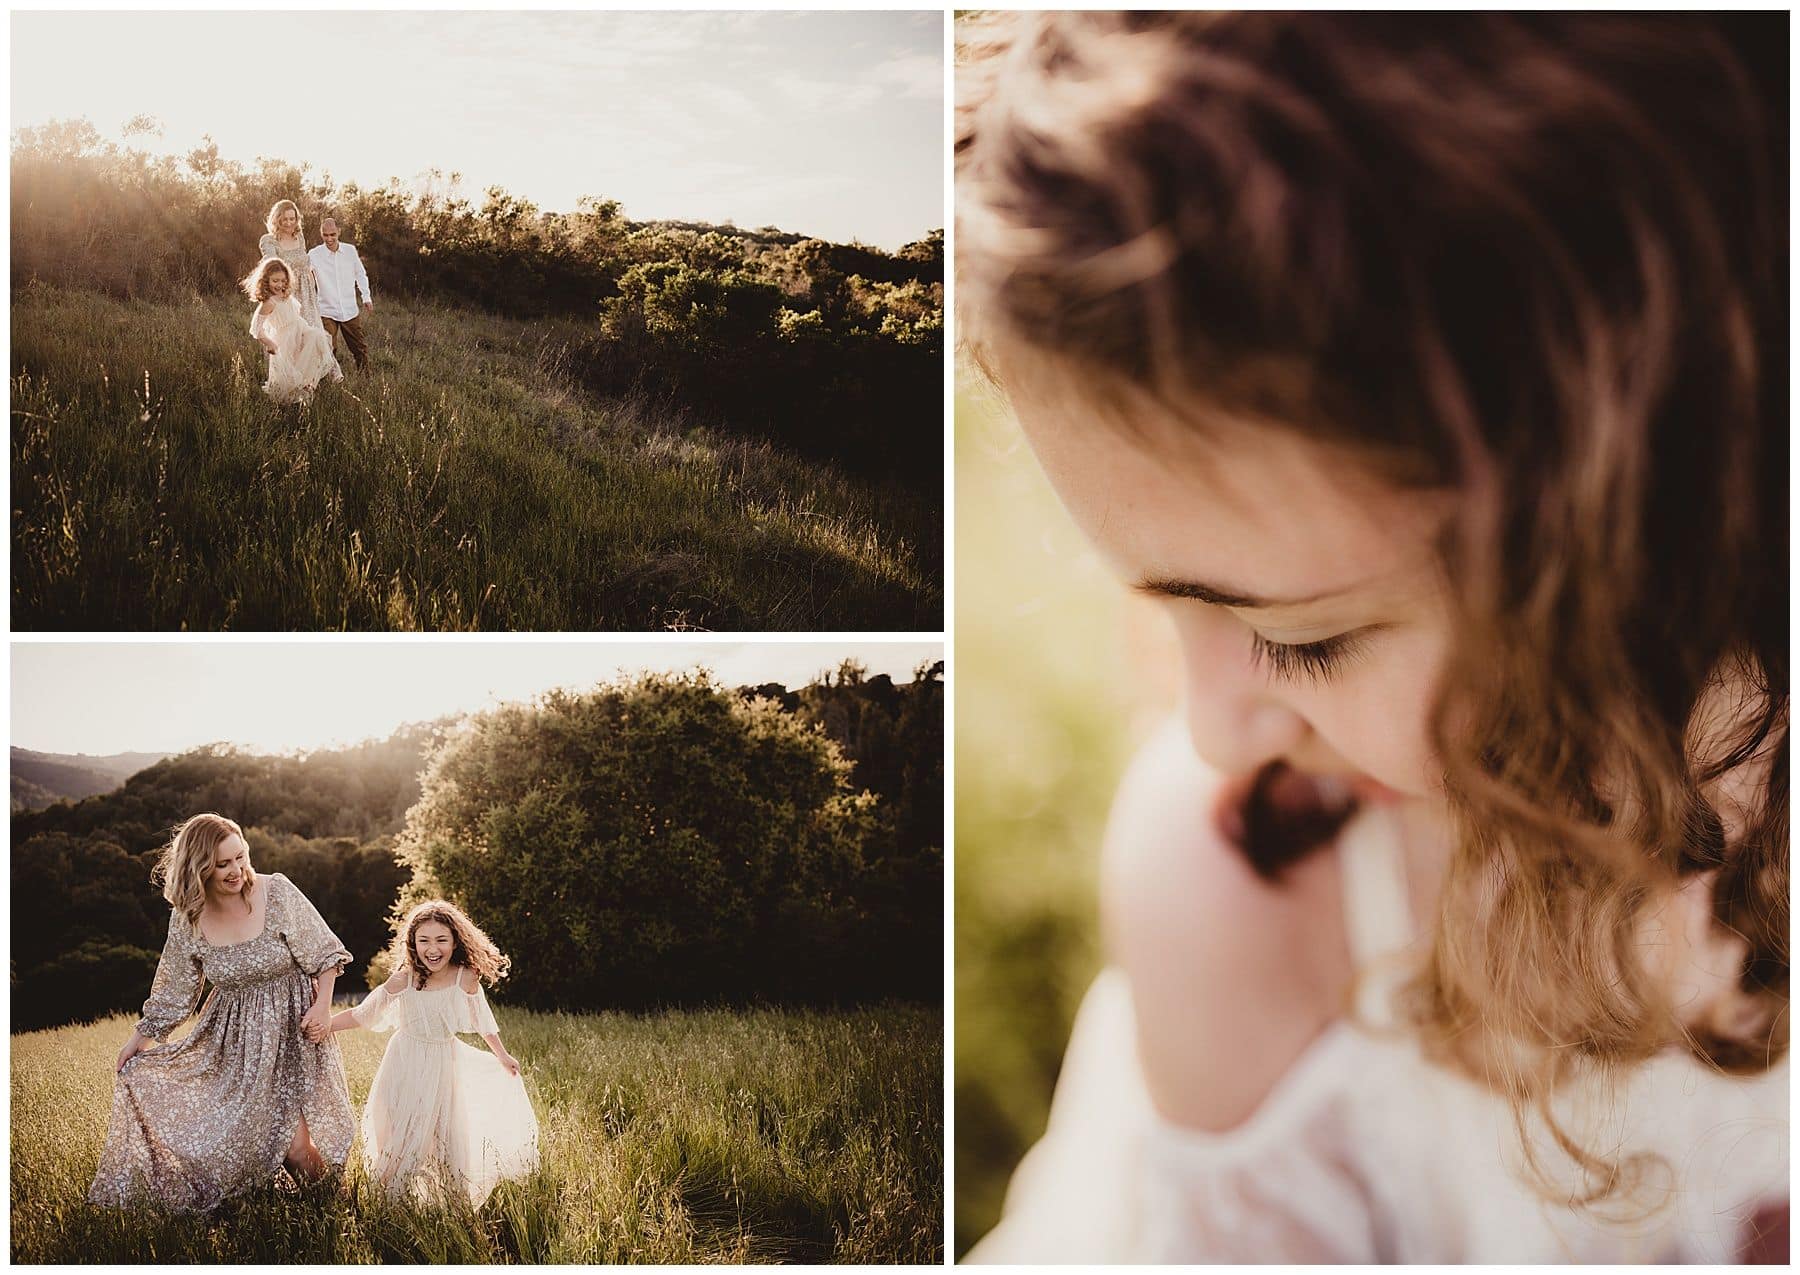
point(218, 1112)
point(287, 240)
point(442, 1115)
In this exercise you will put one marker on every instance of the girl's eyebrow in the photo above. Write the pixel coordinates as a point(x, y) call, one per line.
point(1193, 589)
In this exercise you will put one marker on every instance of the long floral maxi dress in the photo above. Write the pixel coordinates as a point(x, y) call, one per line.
point(304, 289)
point(211, 1115)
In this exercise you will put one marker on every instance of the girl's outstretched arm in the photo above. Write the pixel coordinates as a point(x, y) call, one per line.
point(506, 1060)
point(470, 984)
point(375, 1010)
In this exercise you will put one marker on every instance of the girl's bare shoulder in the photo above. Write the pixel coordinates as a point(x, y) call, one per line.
point(267, 306)
point(398, 981)
point(1232, 977)
point(468, 980)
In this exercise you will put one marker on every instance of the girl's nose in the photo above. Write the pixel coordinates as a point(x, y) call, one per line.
point(1236, 719)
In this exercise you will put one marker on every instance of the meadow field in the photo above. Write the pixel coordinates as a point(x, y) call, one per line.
point(466, 481)
point(674, 1137)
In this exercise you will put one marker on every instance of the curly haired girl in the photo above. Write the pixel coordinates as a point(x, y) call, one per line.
point(442, 1115)
point(1430, 372)
point(299, 352)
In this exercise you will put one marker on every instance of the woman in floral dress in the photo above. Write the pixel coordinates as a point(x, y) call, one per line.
point(218, 1112)
point(287, 240)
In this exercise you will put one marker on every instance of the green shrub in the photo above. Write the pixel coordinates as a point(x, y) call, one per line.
point(663, 841)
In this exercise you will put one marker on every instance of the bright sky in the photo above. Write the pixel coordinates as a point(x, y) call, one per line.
point(828, 124)
point(112, 697)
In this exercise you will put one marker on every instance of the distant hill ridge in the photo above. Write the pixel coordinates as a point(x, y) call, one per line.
point(41, 779)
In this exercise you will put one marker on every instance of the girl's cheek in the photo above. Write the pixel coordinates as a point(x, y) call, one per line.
point(1393, 730)
point(1374, 720)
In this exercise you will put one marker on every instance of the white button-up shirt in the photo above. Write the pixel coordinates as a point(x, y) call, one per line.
point(341, 274)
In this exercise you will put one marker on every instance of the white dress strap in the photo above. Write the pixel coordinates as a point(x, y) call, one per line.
point(1378, 916)
point(1377, 911)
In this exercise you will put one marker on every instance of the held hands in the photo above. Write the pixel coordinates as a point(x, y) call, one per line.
point(315, 1023)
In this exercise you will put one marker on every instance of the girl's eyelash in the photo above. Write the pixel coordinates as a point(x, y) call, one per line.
point(1315, 661)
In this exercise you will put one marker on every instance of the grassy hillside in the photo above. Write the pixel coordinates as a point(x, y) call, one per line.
point(465, 482)
point(676, 1138)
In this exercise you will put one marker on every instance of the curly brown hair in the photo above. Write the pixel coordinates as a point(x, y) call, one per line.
point(1534, 258)
point(256, 283)
point(470, 946)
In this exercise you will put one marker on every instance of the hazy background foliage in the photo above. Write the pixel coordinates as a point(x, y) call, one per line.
point(851, 765)
point(1056, 676)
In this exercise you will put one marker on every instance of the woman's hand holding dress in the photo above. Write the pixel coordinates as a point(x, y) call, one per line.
point(133, 1047)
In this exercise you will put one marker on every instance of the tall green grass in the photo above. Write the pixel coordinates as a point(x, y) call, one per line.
point(464, 482)
point(680, 1137)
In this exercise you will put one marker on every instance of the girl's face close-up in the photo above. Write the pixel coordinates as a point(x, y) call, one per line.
point(278, 283)
point(1309, 608)
point(434, 944)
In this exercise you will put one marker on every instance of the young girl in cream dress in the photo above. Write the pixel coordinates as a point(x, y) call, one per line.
point(299, 351)
point(442, 1115)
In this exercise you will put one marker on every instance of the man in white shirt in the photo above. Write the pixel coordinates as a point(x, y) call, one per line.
point(341, 276)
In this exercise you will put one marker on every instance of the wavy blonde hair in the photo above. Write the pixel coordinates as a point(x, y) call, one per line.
point(256, 283)
point(471, 947)
point(281, 206)
point(186, 864)
point(1476, 248)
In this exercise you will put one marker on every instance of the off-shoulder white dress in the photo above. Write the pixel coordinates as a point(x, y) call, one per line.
point(1366, 1153)
point(441, 1113)
point(302, 355)
point(211, 1115)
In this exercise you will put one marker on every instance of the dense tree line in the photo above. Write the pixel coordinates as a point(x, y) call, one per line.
point(87, 924)
point(360, 792)
point(660, 841)
point(832, 349)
